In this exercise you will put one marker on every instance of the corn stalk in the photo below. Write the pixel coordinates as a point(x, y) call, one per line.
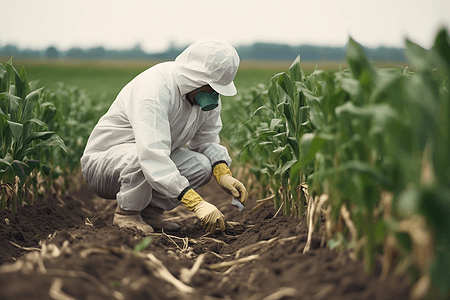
point(24, 137)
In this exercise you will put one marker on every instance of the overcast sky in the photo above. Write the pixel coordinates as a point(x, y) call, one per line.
point(117, 24)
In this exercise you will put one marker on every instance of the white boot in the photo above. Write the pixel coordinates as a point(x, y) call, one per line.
point(130, 219)
point(153, 216)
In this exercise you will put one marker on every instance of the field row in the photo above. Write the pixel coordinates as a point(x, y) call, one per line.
point(364, 148)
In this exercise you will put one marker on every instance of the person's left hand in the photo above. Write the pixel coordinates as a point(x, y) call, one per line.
point(234, 187)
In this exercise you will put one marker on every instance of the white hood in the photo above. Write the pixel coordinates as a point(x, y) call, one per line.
point(208, 61)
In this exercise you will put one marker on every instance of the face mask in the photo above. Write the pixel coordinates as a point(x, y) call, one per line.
point(206, 100)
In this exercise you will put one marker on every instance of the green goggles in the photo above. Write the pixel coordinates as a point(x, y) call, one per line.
point(206, 100)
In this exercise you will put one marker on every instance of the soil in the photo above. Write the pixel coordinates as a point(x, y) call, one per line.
point(67, 248)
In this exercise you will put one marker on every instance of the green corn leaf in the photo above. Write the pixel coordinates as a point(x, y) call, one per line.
point(384, 118)
point(11, 105)
point(8, 158)
point(261, 108)
point(32, 163)
point(33, 85)
point(404, 239)
point(352, 87)
point(272, 93)
point(279, 150)
point(364, 168)
point(24, 168)
point(269, 169)
point(310, 144)
point(442, 47)
point(265, 171)
point(290, 117)
point(284, 168)
point(293, 142)
point(4, 162)
point(435, 206)
point(264, 134)
point(283, 99)
point(6, 168)
point(142, 244)
point(54, 141)
point(21, 83)
point(12, 98)
point(44, 135)
point(265, 143)
point(56, 173)
point(352, 109)
point(49, 111)
point(9, 76)
point(295, 72)
point(274, 123)
point(281, 136)
point(390, 85)
point(358, 63)
point(20, 170)
point(37, 122)
point(49, 139)
point(28, 152)
point(285, 83)
point(3, 120)
point(309, 95)
point(303, 115)
point(45, 169)
point(17, 130)
point(28, 127)
point(439, 271)
point(418, 56)
point(317, 115)
point(29, 104)
point(3, 79)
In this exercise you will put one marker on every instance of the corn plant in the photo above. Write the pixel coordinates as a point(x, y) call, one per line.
point(236, 133)
point(73, 120)
point(270, 136)
point(428, 195)
point(375, 142)
point(23, 137)
point(386, 132)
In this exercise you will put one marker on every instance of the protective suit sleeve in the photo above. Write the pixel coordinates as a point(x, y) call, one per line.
point(207, 141)
point(149, 119)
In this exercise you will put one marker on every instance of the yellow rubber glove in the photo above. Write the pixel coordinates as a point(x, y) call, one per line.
point(229, 184)
point(208, 214)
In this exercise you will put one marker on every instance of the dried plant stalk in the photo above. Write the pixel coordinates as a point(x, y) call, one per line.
point(239, 261)
point(312, 216)
point(159, 270)
point(187, 275)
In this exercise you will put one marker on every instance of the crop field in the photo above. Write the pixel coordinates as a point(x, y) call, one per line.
point(106, 78)
point(346, 165)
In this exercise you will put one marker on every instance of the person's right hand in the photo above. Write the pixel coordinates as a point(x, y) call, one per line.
point(208, 214)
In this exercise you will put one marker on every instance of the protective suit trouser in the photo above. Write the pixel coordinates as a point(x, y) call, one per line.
point(116, 174)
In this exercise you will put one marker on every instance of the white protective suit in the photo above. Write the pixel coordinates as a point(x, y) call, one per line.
point(153, 143)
